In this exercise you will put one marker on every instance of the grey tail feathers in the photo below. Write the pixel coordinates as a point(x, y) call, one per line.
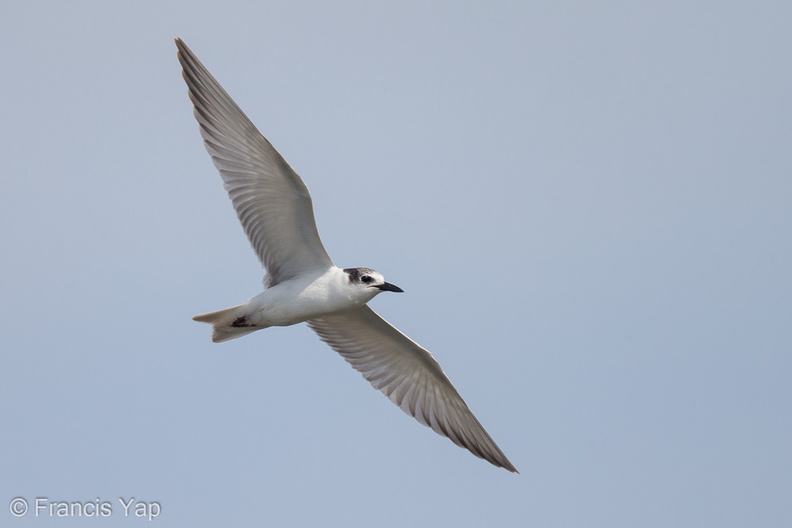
point(228, 323)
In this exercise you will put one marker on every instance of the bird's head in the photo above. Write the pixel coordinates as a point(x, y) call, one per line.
point(369, 282)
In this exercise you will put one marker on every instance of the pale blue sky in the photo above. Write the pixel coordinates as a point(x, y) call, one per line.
point(587, 204)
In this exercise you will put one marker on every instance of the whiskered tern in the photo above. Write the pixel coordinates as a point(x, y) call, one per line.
point(303, 285)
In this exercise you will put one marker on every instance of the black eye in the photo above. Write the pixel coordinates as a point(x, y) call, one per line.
point(366, 279)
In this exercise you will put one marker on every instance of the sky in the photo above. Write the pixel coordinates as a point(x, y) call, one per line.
point(586, 203)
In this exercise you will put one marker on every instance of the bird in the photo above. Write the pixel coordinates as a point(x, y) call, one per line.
point(301, 283)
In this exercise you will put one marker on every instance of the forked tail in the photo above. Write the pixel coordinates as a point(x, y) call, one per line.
point(228, 323)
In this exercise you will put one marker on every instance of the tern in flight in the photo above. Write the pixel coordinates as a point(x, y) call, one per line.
point(303, 285)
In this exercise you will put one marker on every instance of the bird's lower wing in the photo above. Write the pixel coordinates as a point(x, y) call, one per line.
point(407, 374)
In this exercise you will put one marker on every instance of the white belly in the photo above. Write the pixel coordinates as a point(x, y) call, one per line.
point(304, 298)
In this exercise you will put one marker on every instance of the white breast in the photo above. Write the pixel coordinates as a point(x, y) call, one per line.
point(306, 297)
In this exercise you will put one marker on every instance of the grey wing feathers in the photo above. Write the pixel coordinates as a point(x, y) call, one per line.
point(272, 202)
point(408, 375)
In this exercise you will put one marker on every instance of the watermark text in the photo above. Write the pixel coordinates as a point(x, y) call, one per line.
point(121, 507)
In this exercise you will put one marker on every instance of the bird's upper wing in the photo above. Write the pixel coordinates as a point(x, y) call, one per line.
point(271, 200)
point(407, 374)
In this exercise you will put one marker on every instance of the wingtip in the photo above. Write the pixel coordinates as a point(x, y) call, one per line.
point(506, 464)
point(181, 47)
